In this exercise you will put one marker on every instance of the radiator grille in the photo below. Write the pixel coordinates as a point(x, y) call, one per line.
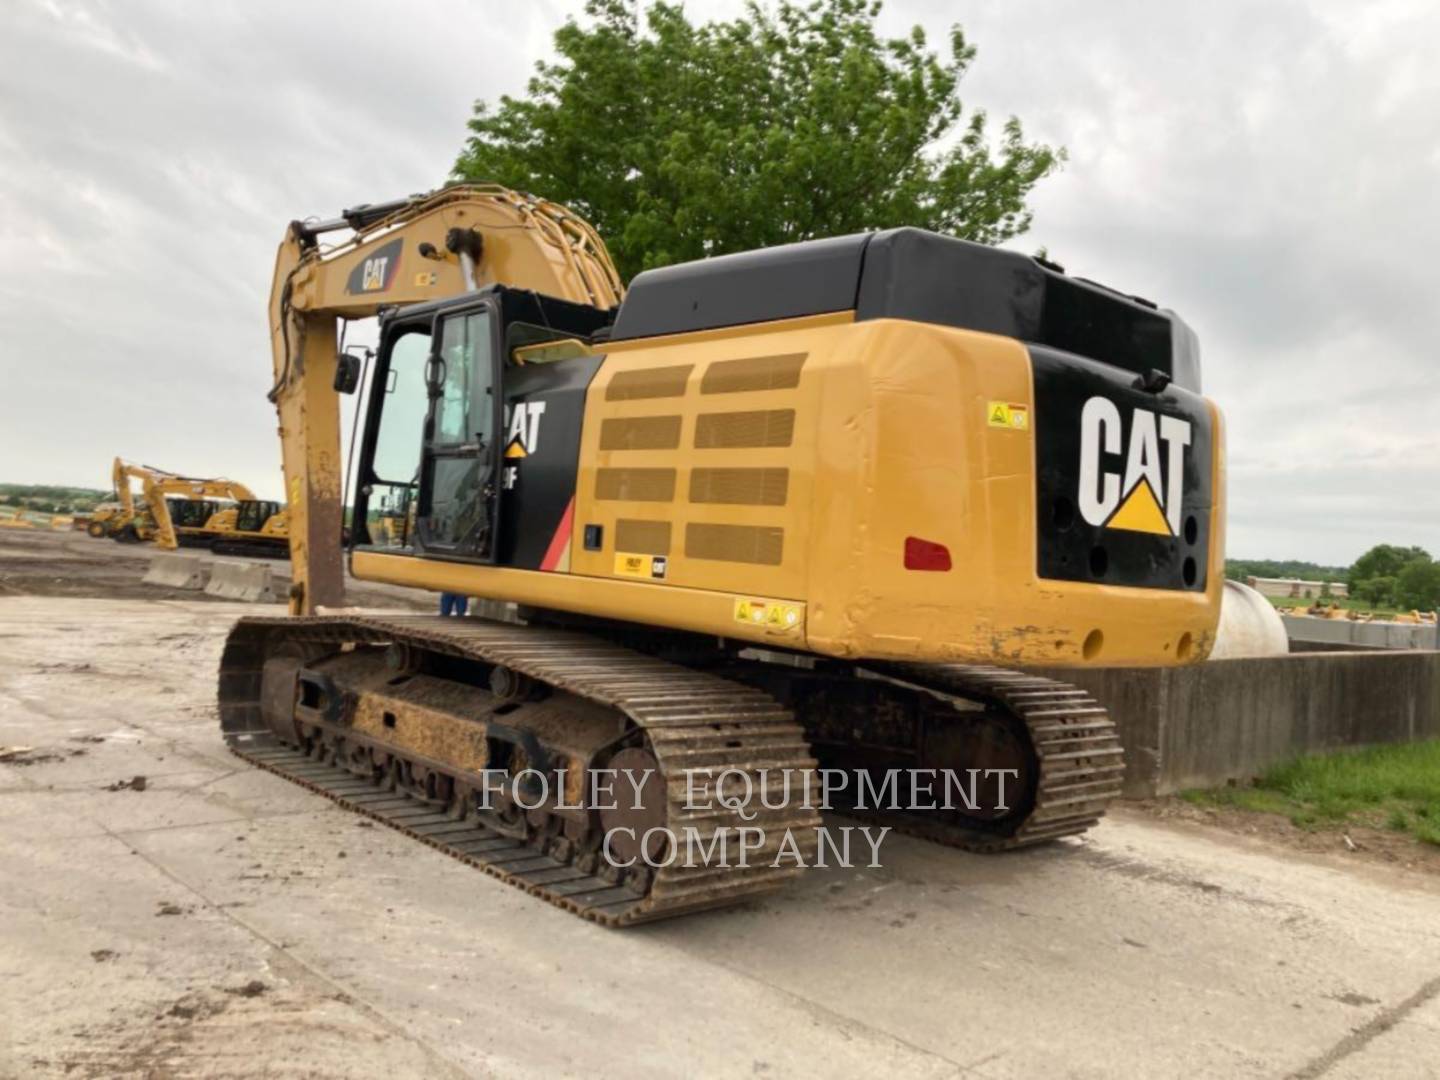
point(642, 537)
point(649, 383)
point(760, 544)
point(750, 487)
point(734, 430)
point(753, 373)
point(640, 433)
point(636, 485)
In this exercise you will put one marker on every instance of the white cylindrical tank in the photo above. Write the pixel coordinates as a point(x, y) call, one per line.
point(1249, 625)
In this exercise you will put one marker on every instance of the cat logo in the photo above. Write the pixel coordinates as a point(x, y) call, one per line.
point(522, 428)
point(373, 274)
point(1137, 501)
point(376, 272)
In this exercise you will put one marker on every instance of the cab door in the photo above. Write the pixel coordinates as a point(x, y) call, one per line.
point(458, 507)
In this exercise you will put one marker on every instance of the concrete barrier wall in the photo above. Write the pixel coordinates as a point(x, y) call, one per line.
point(178, 571)
point(1231, 719)
point(1378, 635)
point(251, 582)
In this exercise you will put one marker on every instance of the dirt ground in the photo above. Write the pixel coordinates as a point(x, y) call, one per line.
point(168, 911)
point(1352, 842)
point(41, 562)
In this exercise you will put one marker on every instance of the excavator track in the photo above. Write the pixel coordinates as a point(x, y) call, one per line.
point(692, 721)
point(254, 549)
point(689, 720)
point(1078, 762)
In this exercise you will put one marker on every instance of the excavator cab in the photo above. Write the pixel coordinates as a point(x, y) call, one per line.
point(252, 514)
point(451, 424)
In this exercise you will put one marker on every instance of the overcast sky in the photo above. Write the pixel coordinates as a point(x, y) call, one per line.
point(1271, 170)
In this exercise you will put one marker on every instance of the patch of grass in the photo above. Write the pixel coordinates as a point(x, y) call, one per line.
point(1394, 786)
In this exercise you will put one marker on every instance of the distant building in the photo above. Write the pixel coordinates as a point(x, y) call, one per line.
point(1297, 589)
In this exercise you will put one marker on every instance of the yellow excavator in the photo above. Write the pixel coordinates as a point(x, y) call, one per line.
point(250, 527)
point(177, 511)
point(171, 506)
point(174, 510)
point(810, 511)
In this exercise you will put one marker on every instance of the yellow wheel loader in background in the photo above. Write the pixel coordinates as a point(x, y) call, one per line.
point(98, 522)
point(808, 505)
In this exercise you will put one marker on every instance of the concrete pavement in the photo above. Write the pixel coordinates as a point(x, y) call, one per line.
point(224, 922)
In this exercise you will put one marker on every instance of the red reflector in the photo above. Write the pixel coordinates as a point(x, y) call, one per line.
point(925, 555)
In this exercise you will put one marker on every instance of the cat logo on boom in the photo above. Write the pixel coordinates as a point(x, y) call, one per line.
point(373, 274)
point(376, 271)
point(522, 428)
point(1147, 496)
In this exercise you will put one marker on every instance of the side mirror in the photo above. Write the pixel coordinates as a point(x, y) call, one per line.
point(347, 373)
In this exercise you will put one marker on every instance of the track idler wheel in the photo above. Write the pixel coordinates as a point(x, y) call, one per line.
point(510, 685)
point(997, 748)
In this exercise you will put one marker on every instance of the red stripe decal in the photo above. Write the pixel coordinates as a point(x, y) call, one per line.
point(560, 539)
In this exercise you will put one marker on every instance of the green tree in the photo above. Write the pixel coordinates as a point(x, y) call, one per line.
point(1384, 560)
point(1379, 591)
point(679, 140)
point(1418, 586)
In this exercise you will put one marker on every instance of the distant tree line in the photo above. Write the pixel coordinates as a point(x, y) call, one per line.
point(1240, 569)
point(1386, 576)
point(51, 499)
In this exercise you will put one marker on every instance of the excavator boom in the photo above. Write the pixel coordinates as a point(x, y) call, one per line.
point(428, 247)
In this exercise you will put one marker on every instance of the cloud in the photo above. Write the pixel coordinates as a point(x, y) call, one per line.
point(152, 157)
point(1270, 170)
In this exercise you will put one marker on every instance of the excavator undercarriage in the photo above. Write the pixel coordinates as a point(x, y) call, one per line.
point(436, 726)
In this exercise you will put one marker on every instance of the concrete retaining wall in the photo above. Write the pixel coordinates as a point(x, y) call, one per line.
point(1227, 720)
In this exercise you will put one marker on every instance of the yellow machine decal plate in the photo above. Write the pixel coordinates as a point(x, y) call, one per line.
point(767, 613)
point(641, 566)
point(1005, 414)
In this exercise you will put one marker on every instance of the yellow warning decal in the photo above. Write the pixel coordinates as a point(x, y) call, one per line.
point(424, 279)
point(767, 613)
point(1005, 414)
point(634, 565)
point(1140, 512)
